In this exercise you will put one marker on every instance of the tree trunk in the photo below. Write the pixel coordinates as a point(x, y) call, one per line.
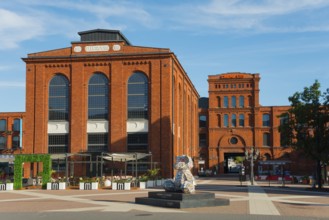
point(318, 174)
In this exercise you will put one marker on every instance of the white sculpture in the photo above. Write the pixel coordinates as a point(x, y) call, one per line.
point(184, 180)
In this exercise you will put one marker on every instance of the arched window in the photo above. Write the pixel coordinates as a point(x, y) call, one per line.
point(226, 120)
point(225, 102)
point(138, 96)
point(3, 125)
point(266, 120)
point(17, 124)
point(58, 99)
point(98, 97)
point(233, 100)
point(241, 120)
point(266, 139)
point(233, 120)
point(241, 101)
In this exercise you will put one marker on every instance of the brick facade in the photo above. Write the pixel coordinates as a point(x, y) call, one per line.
point(237, 122)
point(173, 100)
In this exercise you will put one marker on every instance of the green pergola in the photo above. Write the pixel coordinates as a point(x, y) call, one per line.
point(18, 167)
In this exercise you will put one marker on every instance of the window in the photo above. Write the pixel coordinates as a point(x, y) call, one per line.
point(225, 102)
point(15, 142)
point(241, 120)
point(98, 97)
point(219, 122)
point(250, 101)
point(138, 96)
point(137, 142)
point(17, 125)
point(202, 140)
point(233, 120)
point(251, 121)
point(266, 120)
point(3, 142)
point(266, 139)
point(218, 102)
point(284, 138)
point(233, 140)
point(202, 121)
point(58, 143)
point(3, 125)
point(226, 120)
point(98, 142)
point(241, 101)
point(233, 99)
point(58, 99)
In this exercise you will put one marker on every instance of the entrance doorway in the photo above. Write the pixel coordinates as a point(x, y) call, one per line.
point(233, 162)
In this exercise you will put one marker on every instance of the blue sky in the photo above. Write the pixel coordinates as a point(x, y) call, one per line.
point(285, 41)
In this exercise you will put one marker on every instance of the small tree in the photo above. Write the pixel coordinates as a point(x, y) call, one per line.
point(307, 125)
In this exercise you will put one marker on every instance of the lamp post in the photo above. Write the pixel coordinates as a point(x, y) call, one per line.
point(252, 156)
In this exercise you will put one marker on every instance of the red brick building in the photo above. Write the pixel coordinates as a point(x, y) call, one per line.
point(234, 122)
point(102, 94)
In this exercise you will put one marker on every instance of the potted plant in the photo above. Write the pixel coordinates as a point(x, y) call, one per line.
point(142, 181)
point(9, 185)
point(152, 176)
point(121, 184)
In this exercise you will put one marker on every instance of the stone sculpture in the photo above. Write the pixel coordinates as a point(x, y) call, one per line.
point(184, 180)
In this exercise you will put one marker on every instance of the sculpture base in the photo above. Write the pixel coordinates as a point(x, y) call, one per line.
point(181, 200)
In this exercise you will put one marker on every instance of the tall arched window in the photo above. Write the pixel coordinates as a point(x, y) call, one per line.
point(233, 120)
point(226, 120)
point(233, 104)
point(58, 99)
point(58, 110)
point(138, 96)
point(98, 97)
point(241, 120)
point(241, 101)
point(266, 120)
point(137, 109)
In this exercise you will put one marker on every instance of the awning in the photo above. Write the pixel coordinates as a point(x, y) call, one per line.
point(122, 157)
point(273, 162)
point(63, 156)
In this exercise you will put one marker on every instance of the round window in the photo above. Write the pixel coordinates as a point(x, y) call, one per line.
point(233, 140)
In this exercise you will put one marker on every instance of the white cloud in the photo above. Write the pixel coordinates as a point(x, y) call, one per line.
point(15, 28)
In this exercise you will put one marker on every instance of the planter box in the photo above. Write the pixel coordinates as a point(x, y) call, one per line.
point(142, 185)
point(88, 186)
point(150, 183)
point(120, 186)
point(9, 186)
point(6, 186)
point(56, 186)
point(158, 182)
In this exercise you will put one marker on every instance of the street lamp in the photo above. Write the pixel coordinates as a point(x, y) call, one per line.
point(252, 156)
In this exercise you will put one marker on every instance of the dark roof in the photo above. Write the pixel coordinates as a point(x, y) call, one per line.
point(97, 35)
point(204, 102)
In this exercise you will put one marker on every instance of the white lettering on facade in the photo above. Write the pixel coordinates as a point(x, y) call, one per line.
point(97, 48)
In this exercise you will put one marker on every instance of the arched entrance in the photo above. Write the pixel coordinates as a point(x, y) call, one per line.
point(233, 162)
